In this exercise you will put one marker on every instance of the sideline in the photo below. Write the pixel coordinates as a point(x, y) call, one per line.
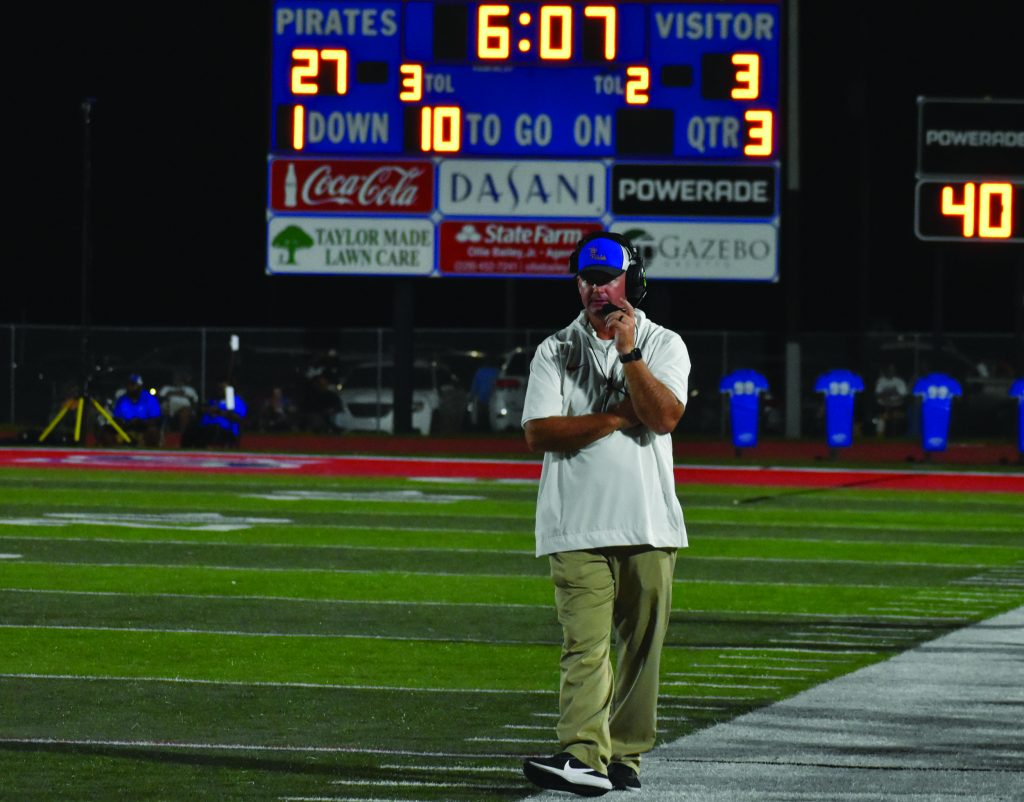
point(497, 469)
point(938, 723)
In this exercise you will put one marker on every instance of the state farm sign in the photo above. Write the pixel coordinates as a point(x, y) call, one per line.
point(509, 248)
point(339, 185)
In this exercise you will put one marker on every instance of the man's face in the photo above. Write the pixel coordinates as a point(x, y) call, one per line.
point(595, 295)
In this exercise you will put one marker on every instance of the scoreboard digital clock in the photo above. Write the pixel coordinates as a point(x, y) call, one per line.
point(438, 137)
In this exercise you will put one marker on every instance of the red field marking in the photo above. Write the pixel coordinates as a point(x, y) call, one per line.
point(326, 465)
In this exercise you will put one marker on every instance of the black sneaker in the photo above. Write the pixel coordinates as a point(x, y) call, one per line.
point(563, 772)
point(622, 777)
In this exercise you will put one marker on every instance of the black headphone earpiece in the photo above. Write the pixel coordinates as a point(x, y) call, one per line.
point(636, 275)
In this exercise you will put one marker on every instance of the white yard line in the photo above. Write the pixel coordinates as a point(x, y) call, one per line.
point(268, 684)
point(297, 599)
point(727, 685)
point(297, 570)
point(728, 674)
point(820, 642)
point(854, 525)
point(839, 634)
point(737, 697)
point(343, 799)
point(753, 667)
point(244, 633)
point(463, 550)
point(520, 552)
point(303, 570)
point(784, 660)
point(416, 784)
point(243, 545)
point(799, 650)
point(231, 747)
point(453, 768)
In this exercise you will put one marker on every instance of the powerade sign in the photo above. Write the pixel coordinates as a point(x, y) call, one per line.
point(694, 190)
point(970, 137)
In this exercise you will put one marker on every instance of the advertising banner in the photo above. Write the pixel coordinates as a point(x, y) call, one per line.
point(707, 250)
point(350, 245)
point(562, 189)
point(694, 190)
point(509, 247)
point(327, 186)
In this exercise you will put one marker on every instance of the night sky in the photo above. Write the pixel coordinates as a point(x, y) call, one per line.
point(179, 142)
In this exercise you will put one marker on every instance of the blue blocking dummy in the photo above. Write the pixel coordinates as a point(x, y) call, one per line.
point(937, 391)
point(839, 387)
point(744, 388)
point(1017, 391)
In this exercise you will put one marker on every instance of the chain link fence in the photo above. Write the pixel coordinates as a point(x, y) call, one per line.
point(302, 373)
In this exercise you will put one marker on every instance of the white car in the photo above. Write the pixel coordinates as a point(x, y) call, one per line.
point(509, 393)
point(367, 399)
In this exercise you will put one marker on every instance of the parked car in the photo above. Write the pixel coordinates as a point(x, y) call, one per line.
point(509, 393)
point(366, 399)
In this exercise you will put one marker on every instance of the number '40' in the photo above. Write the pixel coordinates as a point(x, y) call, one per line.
point(976, 207)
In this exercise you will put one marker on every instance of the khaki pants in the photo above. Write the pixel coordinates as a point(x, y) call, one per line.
point(627, 588)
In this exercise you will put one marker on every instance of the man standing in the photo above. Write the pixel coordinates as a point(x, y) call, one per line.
point(604, 395)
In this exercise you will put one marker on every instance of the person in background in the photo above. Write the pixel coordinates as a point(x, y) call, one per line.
point(891, 396)
point(178, 401)
point(480, 394)
point(137, 411)
point(220, 423)
point(603, 398)
point(277, 413)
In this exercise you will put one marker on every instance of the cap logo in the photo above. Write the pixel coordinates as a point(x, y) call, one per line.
point(596, 254)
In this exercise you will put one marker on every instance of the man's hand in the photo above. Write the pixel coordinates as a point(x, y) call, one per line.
point(624, 410)
point(622, 325)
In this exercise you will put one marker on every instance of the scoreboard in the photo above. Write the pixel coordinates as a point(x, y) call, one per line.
point(485, 139)
point(970, 170)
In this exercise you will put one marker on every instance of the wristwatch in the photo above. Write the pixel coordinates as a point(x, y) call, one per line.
point(632, 356)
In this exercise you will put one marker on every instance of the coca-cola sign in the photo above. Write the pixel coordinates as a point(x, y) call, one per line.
point(337, 185)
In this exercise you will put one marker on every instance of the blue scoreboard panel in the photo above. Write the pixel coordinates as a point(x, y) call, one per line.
point(485, 139)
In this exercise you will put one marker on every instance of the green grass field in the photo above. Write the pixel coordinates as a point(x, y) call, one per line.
point(181, 636)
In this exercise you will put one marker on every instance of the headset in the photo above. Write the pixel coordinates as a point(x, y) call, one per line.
point(636, 276)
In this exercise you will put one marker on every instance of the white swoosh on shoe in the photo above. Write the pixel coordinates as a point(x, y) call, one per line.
point(577, 776)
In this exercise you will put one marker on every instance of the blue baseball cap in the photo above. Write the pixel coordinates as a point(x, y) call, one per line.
point(603, 257)
point(135, 378)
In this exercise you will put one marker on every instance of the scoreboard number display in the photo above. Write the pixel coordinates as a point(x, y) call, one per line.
point(431, 137)
point(970, 170)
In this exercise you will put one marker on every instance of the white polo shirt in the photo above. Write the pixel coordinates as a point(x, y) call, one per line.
point(619, 490)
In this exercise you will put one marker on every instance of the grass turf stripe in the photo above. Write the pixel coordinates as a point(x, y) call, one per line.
point(343, 661)
point(737, 548)
point(726, 596)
